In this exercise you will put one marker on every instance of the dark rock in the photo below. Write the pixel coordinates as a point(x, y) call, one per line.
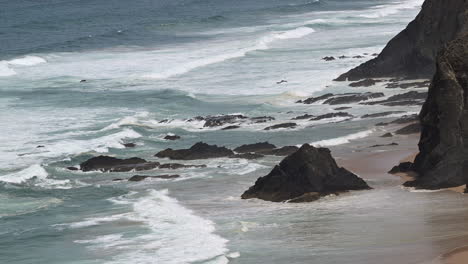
point(308, 170)
point(136, 178)
point(382, 114)
point(328, 58)
point(386, 135)
point(305, 116)
point(82, 81)
point(342, 57)
point(424, 84)
point(129, 145)
point(263, 146)
point(442, 161)
point(409, 129)
point(198, 151)
point(402, 168)
point(358, 57)
point(312, 100)
point(283, 151)
point(40, 146)
point(262, 119)
point(283, 125)
point(409, 98)
point(230, 127)
point(248, 156)
point(342, 108)
point(72, 168)
point(214, 121)
point(172, 137)
point(331, 115)
point(175, 166)
point(111, 164)
point(364, 83)
point(384, 145)
point(118, 179)
point(406, 119)
point(352, 98)
point(412, 53)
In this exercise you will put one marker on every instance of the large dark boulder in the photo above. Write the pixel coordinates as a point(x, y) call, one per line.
point(443, 148)
point(198, 151)
point(262, 146)
point(111, 164)
point(308, 170)
point(412, 53)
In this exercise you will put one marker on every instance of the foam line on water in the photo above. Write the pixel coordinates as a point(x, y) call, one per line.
point(6, 65)
point(342, 140)
point(391, 9)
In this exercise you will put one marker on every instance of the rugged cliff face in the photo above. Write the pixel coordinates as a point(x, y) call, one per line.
point(413, 51)
point(443, 158)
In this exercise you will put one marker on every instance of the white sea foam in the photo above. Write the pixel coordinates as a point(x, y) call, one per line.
point(391, 9)
point(262, 44)
point(35, 170)
point(6, 66)
point(176, 235)
point(342, 140)
point(40, 176)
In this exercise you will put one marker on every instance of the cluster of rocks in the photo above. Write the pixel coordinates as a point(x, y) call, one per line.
point(304, 176)
point(204, 151)
point(331, 58)
point(345, 98)
point(409, 98)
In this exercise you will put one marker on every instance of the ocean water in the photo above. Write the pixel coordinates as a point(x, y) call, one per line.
point(147, 61)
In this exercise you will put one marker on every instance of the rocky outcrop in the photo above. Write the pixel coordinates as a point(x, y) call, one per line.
point(331, 115)
point(346, 98)
point(257, 147)
point(283, 125)
point(409, 129)
point(412, 53)
point(382, 114)
point(136, 178)
point(198, 151)
point(409, 98)
point(443, 148)
point(111, 164)
point(309, 170)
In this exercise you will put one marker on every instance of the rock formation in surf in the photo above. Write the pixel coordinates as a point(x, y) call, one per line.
point(412, 53)
point(443, 158)
point(304, 176)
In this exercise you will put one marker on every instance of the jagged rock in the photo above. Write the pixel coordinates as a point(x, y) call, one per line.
point(283, 151)
point(409, 129)
point(386, 135)
point(111, 164)
point(352, 98)
point(312, 100)
point(257, 147)
point(342, 108)
point(331, 115)
point(72, 168)
point(402, 168)
point(343, 57)
point(305, 116)
point(364, 83)
point(136, 178)
point(129, 145)
point(215, 121)
point(283, 125)
point(198, 151)
point(248, 156)
point(175, 166)
point(230, 127)
point(328, 58)
point(308, 170)
point(442, 161)
point(412, 53)
point(382, 114)
point(172, 137)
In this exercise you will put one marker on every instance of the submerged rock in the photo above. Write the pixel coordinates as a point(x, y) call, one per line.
point(364, 83)
point(308, 170)
point(175, 166)
point(312, 100)
point(171, 137)
point(382, 114)
point(352, 98)
point(305, 116)
point(283, 125)
point(328, 58)
point(331, 115)
point(409, 98)
point(129, 145)
point(230, 127)
point(198, 151)
point(215, 121)
point(111, 164)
